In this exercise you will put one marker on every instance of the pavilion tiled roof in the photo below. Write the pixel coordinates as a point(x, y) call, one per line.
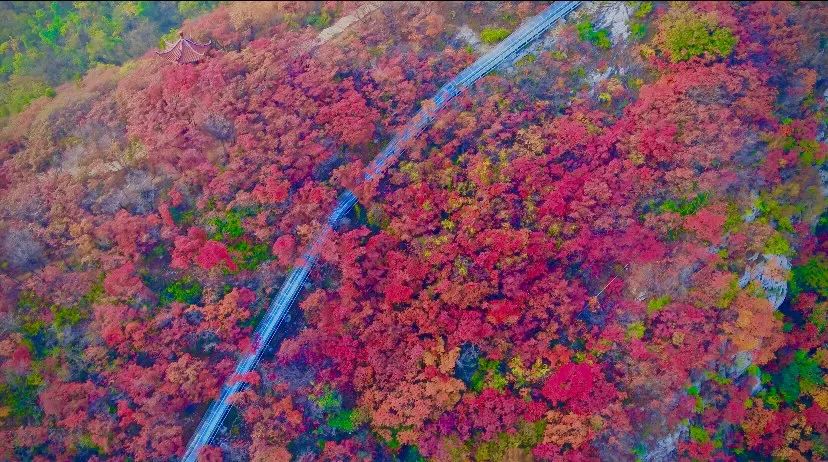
point(184, 50)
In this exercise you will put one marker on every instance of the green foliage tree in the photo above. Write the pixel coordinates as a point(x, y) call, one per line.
point(488, 375)
point(638, 30)
point(685, 35)
point(778, 245)
point(638, 26)
point(185, 290)
point(684, 207)
point(598, 37)
point(319, 20)
point(250, 256)
point(811, 277)
point(699, 434)
point(338, 417)
point(636, 330)
point(344, 421)
point(19, 396)
point(527, 436)
point(802, 374)
point(655, 305)
point(19, 92)
point(73, 314)
point(642, 9)
point(229, 228)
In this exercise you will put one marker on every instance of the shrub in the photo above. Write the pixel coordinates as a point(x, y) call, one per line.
point(685, 34)
point(185, 290)
point(492, 35)
point(802, 374)
point(811, 277)
point(598, 37)
point(778, 245)
point(684, 207)
point(17, 93)
point(19, 396)
point(528, 59)
point(657, 304)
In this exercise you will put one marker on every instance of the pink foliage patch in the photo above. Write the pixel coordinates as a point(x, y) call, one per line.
point(213, 253)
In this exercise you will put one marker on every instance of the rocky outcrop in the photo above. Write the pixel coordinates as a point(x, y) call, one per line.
point(771, 273)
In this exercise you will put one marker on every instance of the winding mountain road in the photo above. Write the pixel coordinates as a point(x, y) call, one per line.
point(513, 44)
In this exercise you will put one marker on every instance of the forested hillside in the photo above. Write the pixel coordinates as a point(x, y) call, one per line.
point(47, 43)
point(612, 248)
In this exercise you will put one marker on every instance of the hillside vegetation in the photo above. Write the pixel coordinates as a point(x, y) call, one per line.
point(613, 248)
point(47, 43)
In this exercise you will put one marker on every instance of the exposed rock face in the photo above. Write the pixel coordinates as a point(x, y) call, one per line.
point(466, 34)
point(665, 448)
point(136, 194)
point(772, 275)
point(218, 126)
point(753, 213)
point(467, 362)
point(616, 17)
point(21, 250)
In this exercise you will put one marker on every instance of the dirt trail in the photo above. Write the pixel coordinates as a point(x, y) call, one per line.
point(344, 22)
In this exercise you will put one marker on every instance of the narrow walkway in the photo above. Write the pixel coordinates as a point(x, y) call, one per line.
point(344, 22)
point(526, 33)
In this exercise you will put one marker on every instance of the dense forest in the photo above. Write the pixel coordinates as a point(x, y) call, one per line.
point(612, 248)
point(47, 43)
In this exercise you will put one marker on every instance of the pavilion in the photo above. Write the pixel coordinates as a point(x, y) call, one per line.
point(184, 50)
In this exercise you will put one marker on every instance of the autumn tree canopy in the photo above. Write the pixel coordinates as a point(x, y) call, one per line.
point(612, 248)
